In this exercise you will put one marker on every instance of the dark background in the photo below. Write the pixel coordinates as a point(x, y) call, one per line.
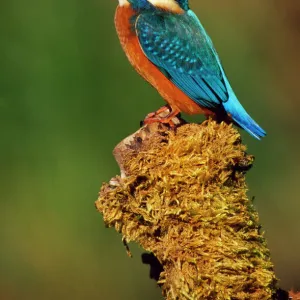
point(68, 96)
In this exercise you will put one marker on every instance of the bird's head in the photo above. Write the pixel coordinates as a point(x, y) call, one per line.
point(168, 5)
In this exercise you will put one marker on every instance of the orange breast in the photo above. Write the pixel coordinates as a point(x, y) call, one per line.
point(129, 41)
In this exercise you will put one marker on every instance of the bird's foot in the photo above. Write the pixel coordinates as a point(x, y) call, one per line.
point(165, 115)
point(164, 110)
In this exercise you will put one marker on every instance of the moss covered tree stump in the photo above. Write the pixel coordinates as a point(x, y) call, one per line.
point(182, 196)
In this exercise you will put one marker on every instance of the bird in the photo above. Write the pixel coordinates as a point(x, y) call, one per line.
point(168, 46)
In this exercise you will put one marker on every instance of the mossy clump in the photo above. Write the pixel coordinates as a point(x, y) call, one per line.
point(183, 197)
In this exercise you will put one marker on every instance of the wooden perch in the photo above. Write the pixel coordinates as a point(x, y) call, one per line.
point(182, 196)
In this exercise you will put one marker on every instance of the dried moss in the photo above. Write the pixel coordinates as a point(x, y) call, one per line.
point(184, 199)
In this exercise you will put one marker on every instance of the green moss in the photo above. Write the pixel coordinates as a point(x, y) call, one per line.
point(184, 199)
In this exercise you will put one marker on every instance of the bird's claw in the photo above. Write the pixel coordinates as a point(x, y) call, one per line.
point(163, 115)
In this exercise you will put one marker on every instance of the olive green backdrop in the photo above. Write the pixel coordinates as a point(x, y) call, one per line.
point(68, 96)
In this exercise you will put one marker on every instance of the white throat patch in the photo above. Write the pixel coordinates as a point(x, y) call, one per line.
point(170, 5)
point(123, 2)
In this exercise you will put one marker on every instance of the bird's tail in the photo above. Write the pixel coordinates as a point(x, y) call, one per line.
point(241, 117)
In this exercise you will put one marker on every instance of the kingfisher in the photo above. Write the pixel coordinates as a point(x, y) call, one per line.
point(167, 45)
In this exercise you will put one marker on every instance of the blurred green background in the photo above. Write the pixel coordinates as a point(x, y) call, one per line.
point(68, 96)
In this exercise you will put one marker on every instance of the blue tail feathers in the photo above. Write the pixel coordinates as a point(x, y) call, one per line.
point(240, 116)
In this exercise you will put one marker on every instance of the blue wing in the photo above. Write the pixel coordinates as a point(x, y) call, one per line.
point(179, 46)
